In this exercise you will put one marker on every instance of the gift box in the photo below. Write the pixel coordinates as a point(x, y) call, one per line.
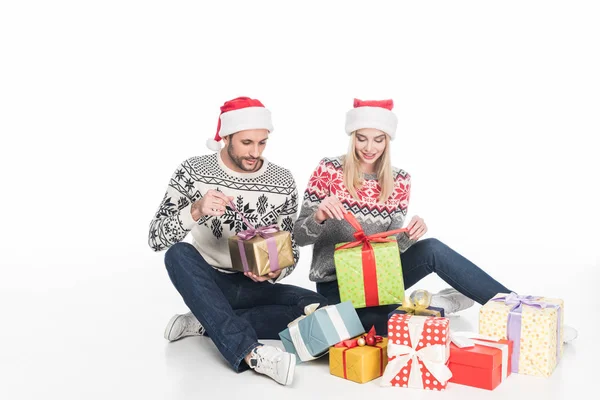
point(419, 307)
point(261, 250)
point(358, 361)
point(368, 270)
point(534, 325)
point(311, 335)
point(484, 362)
point(418, 352)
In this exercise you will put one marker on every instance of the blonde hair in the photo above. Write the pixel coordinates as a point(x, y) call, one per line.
point(354, 178)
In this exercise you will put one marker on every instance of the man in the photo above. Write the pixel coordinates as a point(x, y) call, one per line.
point(233, 309)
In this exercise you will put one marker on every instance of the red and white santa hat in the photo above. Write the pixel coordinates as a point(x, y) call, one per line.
point(240, 114)
point(376, 114)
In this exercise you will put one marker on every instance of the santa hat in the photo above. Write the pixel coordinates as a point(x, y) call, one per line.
point(375, 114)
point(240, 114)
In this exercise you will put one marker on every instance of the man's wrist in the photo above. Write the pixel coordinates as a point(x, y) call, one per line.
point(196, 214)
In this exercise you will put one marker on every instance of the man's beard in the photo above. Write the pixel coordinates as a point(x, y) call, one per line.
point(239, 160)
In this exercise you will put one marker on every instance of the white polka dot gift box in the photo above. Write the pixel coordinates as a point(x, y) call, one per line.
point(534, 324)
point(418, 352)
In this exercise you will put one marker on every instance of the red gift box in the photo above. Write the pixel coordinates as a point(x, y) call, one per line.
point(484, 365)
point(418, 351)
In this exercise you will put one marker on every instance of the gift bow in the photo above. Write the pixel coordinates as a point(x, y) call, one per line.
point(351, 343)
point(364, 239)
point(433, 357)
point(465, 339)
point(263, 231)
point(517, 301)
point(413, 308)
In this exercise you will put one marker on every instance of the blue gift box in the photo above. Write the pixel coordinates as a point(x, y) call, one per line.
point(310, 336)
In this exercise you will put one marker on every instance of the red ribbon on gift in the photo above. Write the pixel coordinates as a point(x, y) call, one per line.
point(371, 339)
point(368, 256)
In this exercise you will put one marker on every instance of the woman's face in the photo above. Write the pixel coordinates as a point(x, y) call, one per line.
point(369, 144)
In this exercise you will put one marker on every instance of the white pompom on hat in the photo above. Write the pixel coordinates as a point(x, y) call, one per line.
point(376, 114)
point(240, 114)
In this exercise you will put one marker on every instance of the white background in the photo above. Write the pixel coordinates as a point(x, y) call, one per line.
point(100, 101)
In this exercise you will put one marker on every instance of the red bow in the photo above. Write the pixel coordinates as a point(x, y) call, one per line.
point(371, 339)
point(368, 256)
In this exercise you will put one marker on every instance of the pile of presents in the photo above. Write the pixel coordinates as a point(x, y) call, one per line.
point(517, 334)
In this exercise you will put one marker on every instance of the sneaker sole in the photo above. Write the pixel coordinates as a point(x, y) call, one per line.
point(170, 326)
point(290, 374)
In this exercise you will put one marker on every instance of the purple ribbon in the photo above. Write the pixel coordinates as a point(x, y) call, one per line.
point(513, 325)
point(266, 233)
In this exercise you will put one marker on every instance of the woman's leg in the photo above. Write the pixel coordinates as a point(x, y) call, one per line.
point(431, 255)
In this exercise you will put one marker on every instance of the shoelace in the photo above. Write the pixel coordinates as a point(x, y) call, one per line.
point(455, 304)
point(267, 365)
point(189, 326)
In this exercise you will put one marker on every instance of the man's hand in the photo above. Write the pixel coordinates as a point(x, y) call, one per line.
point(330, 207)
point(212, 203)
point(256, 278)
point(416, 228)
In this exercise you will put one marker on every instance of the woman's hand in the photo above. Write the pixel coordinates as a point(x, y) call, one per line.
point(416, 228)
point(331, 207)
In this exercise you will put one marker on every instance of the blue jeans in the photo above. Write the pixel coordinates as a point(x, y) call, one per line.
point(234, 310)
point(421, 259)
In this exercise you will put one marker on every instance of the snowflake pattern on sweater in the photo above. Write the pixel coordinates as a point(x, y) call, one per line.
point(268, 196)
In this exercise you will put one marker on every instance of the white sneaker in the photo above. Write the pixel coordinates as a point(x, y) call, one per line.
point(451, 300)
point(569, 334)
point(274, 363)
point(182, 325)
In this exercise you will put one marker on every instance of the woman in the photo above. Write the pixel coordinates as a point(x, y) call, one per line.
point(364, 183)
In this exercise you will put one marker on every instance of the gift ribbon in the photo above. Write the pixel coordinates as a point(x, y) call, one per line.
point(434, 357)
point(513, 326)
point(417, 308)
point(266, 233)
point(466, 338)
point(368, 256)
point(352, 343)
point(296, 336)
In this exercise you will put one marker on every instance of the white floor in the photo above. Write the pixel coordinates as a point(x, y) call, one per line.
point(99, 336)
point(100, 101)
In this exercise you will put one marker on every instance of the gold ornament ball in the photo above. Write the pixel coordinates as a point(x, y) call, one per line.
point(361, 342)
point(421, 298)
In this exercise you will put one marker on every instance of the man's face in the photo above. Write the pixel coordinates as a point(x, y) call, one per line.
point(245, 148)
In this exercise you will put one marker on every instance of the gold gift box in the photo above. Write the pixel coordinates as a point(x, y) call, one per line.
point(258, 255)
point(363, 363)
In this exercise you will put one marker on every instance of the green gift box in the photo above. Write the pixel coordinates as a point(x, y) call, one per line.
point(369, 271)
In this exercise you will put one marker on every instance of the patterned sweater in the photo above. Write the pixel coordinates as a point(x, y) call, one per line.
point(265, 197)
point(374, 217)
